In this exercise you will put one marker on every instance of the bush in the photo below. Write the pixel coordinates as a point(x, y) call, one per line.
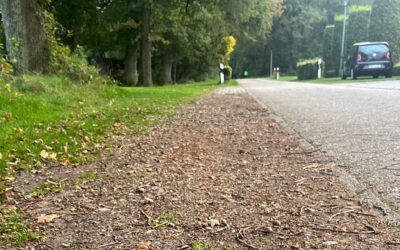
point(385, 24)
point(72, 65)
point(65, 62)
point(308, 69)
point(327, 46)
point(227, 73)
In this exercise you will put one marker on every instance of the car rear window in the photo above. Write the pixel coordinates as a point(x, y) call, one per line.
point(373, 52)
point(376, 48)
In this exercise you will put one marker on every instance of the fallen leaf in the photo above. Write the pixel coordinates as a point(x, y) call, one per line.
point(44, 154)
point(1, 156)
point(53, 156)
point(144, 245)
point(43, 218)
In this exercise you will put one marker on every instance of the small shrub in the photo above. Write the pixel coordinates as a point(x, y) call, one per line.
point(65, 62)
point(308, 69)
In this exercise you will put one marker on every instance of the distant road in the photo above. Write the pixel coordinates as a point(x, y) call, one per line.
point(357, 123)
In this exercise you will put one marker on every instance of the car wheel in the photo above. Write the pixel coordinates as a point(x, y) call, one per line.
point(353, 75)
point(389, 75)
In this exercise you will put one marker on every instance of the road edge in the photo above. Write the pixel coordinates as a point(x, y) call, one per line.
point(349, 179)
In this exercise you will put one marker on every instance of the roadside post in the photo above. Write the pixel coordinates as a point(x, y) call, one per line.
point(221, 73)
point(319, 69)
point(277, 73)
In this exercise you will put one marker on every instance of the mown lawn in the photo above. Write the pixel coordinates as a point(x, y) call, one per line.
point(51, 119)
point(336, 80)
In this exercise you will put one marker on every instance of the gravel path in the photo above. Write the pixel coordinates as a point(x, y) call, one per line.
point(358, 124)
point(223, 175)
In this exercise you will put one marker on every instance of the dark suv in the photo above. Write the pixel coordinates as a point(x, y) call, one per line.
point(368, 59)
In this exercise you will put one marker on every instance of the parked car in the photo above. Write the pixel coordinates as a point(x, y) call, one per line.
point(368, 59)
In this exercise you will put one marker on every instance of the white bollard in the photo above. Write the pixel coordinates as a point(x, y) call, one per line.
point(221, 74)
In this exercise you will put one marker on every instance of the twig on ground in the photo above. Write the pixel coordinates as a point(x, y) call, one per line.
point(147, 217)
point(340, 213)
point(239, 238)
point(342, 231)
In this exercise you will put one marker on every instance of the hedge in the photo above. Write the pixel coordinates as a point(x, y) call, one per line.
point(358, 19)
point(308, 69)
point(385, 24)
point(327, 47)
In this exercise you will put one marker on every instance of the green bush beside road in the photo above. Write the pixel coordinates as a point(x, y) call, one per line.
point(308, 69)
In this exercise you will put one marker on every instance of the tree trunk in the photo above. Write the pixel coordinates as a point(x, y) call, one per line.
point(26, 38)
point(174, 74)
point(167, 72)
point(146, 74)
point(131, 72)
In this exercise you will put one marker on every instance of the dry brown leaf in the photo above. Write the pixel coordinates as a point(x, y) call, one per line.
point(43, 218)
point(144, 245)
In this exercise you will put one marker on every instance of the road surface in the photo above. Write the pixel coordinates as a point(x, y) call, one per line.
point(358, 124)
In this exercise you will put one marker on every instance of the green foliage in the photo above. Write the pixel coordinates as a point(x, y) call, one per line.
point(65, 62)
point(297, 34)
point(385, 25)
point(72, 64)
point(327, 46)
point(358, 19)
point(227, 72)
point(308, 69)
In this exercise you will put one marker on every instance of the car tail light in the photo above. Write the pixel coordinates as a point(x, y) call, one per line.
point(359, 57)
point(388, 56)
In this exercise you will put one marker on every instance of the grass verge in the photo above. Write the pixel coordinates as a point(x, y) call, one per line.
point(52, 120)
point(46, 119)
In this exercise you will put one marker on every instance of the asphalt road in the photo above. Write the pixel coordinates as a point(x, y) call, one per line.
point(358, 124)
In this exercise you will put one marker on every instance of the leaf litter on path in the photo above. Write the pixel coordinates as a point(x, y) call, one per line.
point(224, 174)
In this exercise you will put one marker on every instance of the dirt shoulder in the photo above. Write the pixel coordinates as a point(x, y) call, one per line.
point(224, 175)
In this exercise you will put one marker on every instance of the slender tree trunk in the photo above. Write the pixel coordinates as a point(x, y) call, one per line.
point(131, 58)
point(26, 38)
point(167, 71)
point(174, 74)
point(146, 73)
